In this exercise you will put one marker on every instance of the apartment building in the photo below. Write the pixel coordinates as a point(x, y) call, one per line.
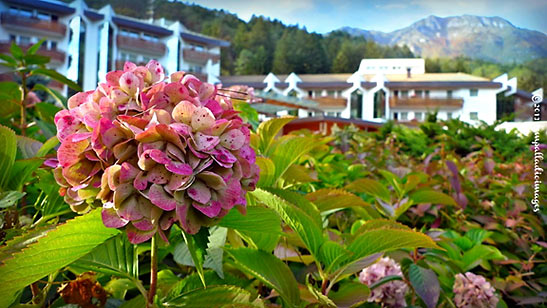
point(84, 44)
point(383, 89)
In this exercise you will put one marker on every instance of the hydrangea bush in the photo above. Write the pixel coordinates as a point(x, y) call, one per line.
point(390, 294)
point(152, 153)
point(473, 291)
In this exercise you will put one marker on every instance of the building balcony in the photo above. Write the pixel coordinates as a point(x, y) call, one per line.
point(56, 56)
point(39, 26)
point(198, 56)
point(140, 45)
point(425, 102)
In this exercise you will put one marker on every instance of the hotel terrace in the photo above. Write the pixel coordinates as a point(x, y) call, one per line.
point(84, 44)
point(381, 89)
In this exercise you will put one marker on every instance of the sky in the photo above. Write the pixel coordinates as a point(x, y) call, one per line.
point(382, 15)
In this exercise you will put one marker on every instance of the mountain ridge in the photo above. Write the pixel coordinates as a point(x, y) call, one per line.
point(488, 38)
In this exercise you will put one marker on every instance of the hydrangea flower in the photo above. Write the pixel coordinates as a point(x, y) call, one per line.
point(391, 294)
point(473, 291)
point(152, 153)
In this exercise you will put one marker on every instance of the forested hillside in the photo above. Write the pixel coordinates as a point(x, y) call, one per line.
point(262, 45)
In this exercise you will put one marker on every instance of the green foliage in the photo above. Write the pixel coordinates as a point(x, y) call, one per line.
point(60, 247)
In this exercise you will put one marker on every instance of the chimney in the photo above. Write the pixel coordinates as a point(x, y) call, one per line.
point(408, 72)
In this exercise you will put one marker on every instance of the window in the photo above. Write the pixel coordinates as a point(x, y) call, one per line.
point(449, 115)
point(331, 114)
point(418, 93)
point(25, 13)
point(474, 116)
point(53, 45)
point(396, 93)
point(310, 93)
point(426, 93)
point(449, 94)
point(418, 116)
point(473, 92)
point(404, 116)
point(331, 93)
point(12, 37)
point(404, 94)
point(310, 114)
point(293, 112)
point(24, 40)
point(395, 116)
point(43, 16)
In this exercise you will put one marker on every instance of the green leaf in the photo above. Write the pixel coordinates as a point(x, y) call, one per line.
point(57, 76)
point(11, 97)
point(331, 254)
point(46, 112)
point(370, 187)
point(9, 61)
point(288, 151)
point(28, 146)
point(115, 257)
point(56, 95)
point(385, 280)
point(299, 174)
point(193, 282)
point(300, 221)
point(374, 224)
point(268, 269)
point(118, 287)
point(350, 294)
point(431, 196)
point(197, 246)
point(425, 283)
point(217, 296)
point(215, 250)
point(8, 150)
point(22, 241)
point(257, 219)
point(34, 48)
point(9, 198)
point(323, 301)
point(329, 199)
point(60, 247)
point(16, 51)
point(49, 145)
point(479, 253)
point(36, 59)
point(393, 180)
point(267, 172)
point(383, 240)
point(22, 170)
point(267, 131)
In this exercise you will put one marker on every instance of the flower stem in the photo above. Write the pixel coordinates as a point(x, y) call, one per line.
point(153, 272)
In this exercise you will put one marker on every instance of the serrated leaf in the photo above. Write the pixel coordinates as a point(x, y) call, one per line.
point(17, 243)
point(331, 254)
point(300, 174)
point(28, 146)
point(370, 187)
point(323, 300)
point(8, 150)
point(60, 247)
point(193, 282)
point(425, 283)
point(380, 223)
point(350, 294)
point(117, 257)
point(217, 296)
point(384, 239)
point(215, 251)
point(268, 269)
point(431, 196)
point(9, 198)
point(329, 199)
point(267, 131)
point(300, 221)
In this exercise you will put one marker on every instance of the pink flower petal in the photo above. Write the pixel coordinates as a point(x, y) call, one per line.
point(210, 210)
point(111, 218)
point(202, 119)
point(232, 139)
point(179, 168)
point(212, 180)
point(199, 192)
point(183, 112)
point(137, 236)
point(205, 142)
point(161, 199)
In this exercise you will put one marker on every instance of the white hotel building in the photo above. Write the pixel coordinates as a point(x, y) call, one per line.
point(381, 89)
point(84, 44)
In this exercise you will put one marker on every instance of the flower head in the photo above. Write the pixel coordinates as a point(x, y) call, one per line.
point(391, 294)
point(152, 153)
point(472, 290)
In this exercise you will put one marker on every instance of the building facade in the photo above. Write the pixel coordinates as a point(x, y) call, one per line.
point(84, 44)
point(385, 89)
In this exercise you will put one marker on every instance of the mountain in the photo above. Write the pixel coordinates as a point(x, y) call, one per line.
point(488, 38)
